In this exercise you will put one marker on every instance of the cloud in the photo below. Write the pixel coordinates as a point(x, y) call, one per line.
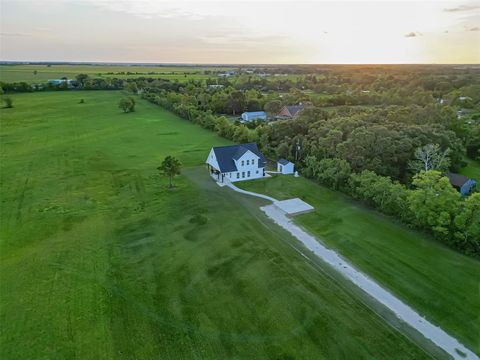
point(149, 8)
point(240, 39)
point(412, 34)
point(13, 34)
point(474, 28)
point(462, 8)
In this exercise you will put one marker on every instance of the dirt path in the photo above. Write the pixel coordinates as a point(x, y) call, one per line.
point(404, 312)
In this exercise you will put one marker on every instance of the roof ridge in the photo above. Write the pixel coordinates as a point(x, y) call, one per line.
point(239, 145)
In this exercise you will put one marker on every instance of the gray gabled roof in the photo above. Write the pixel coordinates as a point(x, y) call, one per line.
point(227, 154)
point(294, 109)
point(239, 153)
point(457, 179)
point(283, 161)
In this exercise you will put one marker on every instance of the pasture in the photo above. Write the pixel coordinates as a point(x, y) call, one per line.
point(438, 282)
point(26, 73)
point(100, 260)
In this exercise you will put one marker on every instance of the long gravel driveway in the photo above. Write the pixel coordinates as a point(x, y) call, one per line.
point(404, 312)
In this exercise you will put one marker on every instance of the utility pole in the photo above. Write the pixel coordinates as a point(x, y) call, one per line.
point(297, 150)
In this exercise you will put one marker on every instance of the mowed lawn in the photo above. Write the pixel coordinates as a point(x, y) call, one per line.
point(99, 260)
point(472, 170)
point(440, 283)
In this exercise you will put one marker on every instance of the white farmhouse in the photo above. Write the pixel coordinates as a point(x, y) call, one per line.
point(236, 162)
point(285, 167)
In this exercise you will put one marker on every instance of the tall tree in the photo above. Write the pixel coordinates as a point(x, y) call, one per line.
point(81, 78)
point(467, 222)
point(434, 202)
point(333, 172)
point(430, 157)
point(170, 167)
point(237, 102)
point(273, 107)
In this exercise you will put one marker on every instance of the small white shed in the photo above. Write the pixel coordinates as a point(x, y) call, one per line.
point(285, 167)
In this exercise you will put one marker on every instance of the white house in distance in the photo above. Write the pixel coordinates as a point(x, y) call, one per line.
point(236, 162)
point(285, 167)
point(254, 115)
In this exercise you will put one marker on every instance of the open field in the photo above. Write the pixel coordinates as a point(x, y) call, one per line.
point(435, 280)
point(100, 260)
point(17, 73)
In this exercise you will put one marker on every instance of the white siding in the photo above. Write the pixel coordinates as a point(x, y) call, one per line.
point(212, 160)
point(285, 169)
point(247, 167)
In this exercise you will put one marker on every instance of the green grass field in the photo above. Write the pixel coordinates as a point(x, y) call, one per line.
point(17, 73)
point(439, 282)
point(100, 261)
point(472, 170)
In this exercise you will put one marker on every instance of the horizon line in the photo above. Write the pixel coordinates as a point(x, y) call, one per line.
point(60, 62)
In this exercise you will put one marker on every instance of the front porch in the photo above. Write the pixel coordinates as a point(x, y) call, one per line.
point(215, 174)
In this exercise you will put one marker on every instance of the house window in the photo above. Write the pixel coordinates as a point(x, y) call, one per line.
point(243, 174)
point(253, 161)
point(238, 175)
point(257, 171)
point(243, 162)
point(248, 173)
point(248, 162)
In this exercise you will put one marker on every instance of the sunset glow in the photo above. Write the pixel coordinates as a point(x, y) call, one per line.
point(241, 32)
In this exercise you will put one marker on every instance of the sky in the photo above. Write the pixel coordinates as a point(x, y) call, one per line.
point(241, 32)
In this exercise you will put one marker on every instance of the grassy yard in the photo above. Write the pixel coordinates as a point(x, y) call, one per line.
point(472, 170)
point(439, 282)
point(98, 260)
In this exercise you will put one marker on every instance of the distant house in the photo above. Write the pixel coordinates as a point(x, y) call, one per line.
point(254, 115)
point(57, 82)
point(289, 112)
point(285, 167)
point(227, 74)
point(462, 183)
point(215, 86)
point(236, 162)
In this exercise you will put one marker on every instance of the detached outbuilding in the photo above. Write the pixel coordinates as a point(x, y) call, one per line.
point(285, 167)
point(254, 115)
point(462, 183)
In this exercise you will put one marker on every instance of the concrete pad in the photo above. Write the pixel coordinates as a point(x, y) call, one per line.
point(293, 206)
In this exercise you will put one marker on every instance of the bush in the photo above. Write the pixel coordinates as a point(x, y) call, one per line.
point(127, 105)
point(8, 102)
